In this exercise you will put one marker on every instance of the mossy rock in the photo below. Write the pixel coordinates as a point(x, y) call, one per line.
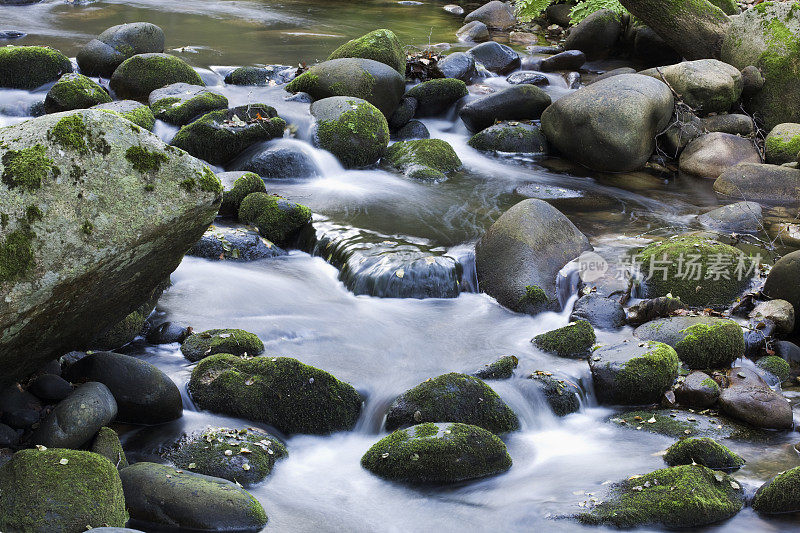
point(678, 423)
point(776, 366)
point(423, 159)
point(512, 137)
point(142, 74)
point(107, 444)
point(234, 243)
point(701, 342)
point(352, 129)
point(378, 45)
point(782, 144)
point(686, 496)
point(703, 451)
point(434, 97)
point(213, 341)
point(246, 183)
point(261, 76)
point(180, 103)
point(60, 491)
point(276, 218)
point(561, 393)
point(633, 373)
point(74, 91)
point(136, 112)
point(245, 456)
point(101, 56)
point(452, 398)
point(219, 136)
point(665, 267)
point(28, 67)
point(573, 340)
point(437, 453)
point(503, 368)
point(781, 494)
point(281, 391)
point(729, 7)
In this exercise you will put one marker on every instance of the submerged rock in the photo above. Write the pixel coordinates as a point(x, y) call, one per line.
point(379, 45)
point(503, 368)
point(452, 398)
point(760, 183)
point(739, 217)
point(352, 129)
point(228, 341)
point(28, 67)
point(423, 159)
point(437, 453)
point(701, 342)
point(276, 218)
point(519, 102)
point(74, 91)
point(703, 451)
point(780, 494)
point(78, 418)
point(233, 243)
point(101, 56)
point(283, 392)
point(573, 340)
point(631, 374)
point(136, 112)
point(142, 74)
point(180, 103)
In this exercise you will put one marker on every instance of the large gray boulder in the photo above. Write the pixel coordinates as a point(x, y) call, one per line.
point(782, 280)
point(101, 56)
point(596, 35)
point(495, 14)
point(711, 154)
point(518, 258)
point(760, 183)
point(80, 251)
point(610, 125)
point(77, 418)
point(706, 85)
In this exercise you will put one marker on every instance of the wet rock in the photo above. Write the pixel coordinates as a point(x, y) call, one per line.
point(758, 182)
point(706, 85)
point(623, 114)
point(679, 423)
point(437, 453)
point(519, 102)
point(163, 496)
point(60, 491)
point(701, 342)
point(276, 218)
point(573, 340)
point(13, 398)
point(77, 419)
point(496, 57)
point(352, 129)
point(28, 67)
point(228, 341)
point(600, 312)
point(528, 77)
point(560, 393)
point(780, 494)
point(50, 388)
point(787, 351)
point(220, 136)
point(379, 45)
point(136, 112)
point(733, 123)
point(278, 161)
point(757, 405)
point(167, 333)
point(413, 130)
point(452, 398)
point(776, 366)
point(517, 137)
point(180, 103)
point(233, 243)
point(283, 392)
point(424, 159)
point(495, 14)
point(697, 390)
point(127, 329)
point(20, 418)
point(518, 258)
point(404, 112)
point(780, 312)
point(454, 9)
point(596, 35)
point(107, 444)
point(261, 76)
point(474, 31)
point(703, 451)
point(236, 187)
point(101, 56)
point(782, 144)
point(503, 368)
point(11, 34)
point(245, 456)
point(458, 65)
point(633, 373)
point(434, 97)
point(8, 437)
point(739, 217)
point(142, 74)
point(781, 281)
point(567, 199)
point(711, 154)
point(370, 80)
point(567, 60)
point(74, 91)
point(686, 496)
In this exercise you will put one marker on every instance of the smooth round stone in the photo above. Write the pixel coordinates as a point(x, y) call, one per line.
point(78, 418)
point(50, 388)
point(740, 217)
point(528, 76)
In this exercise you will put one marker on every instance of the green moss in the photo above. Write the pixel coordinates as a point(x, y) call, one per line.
point(4, 219)
point(358, 137)
point(213, 341)
point(431, 157)
point(209, 182)
point(245, 184)
point(28, 67)
point(276, 218)
point(149, 187)
point(703, 451)
point(644, 378)
point(379, 45)
point(437, 453)
point(707, 346)
point(141, 115)
point(781, 494)
point(181, 111)
point(70, 132)
point(436, 96)
point(142, 74)
point(187, 184)
point(710, 383)
point(503, 368)
point(534, 297)
point(33, 214)
point(776, 366)
point(26, 168)
point(16, 255)
point(107, 444)
point(573, 340)
point(74, 91)
point(782, 145)
point(144, 160)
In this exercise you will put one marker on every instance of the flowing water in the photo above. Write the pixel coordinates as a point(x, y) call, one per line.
point(298, 306)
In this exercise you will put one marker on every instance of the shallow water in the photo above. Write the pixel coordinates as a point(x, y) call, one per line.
point(298, 307)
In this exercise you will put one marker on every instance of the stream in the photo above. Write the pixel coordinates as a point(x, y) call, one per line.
point(299, 308)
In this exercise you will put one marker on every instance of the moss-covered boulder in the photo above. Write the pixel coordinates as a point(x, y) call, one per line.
point(243, 184)
point(698, 270)
point(503, 368)
point(136, 112)
point(782, 144)
point(767, 37)
point(261, 76)
point(28, 67)
point(140, 75)
point(697, 390)
point(107, 444)
point(219, 136)
point(703, 451)
point(561, 393)
point(687, 496)
point(573, 340)
point(423, 159)
point(60, 491)
point(352, 129)
point(373, 81)
point(234, 243)
point(379, 45)
point(436, 96)
point(777, 366)
point(245, 456)
point(276, 218)
point(683, 423)
point(781, 494)
point(514, 137)
point(281, 391)
point(180, 103)
point(701, 342)
point(74, 91)
point(213, 341)
point(633, 373)
point(452, 398)
point(437, 453)
point(162, 496)
point(101, 56)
